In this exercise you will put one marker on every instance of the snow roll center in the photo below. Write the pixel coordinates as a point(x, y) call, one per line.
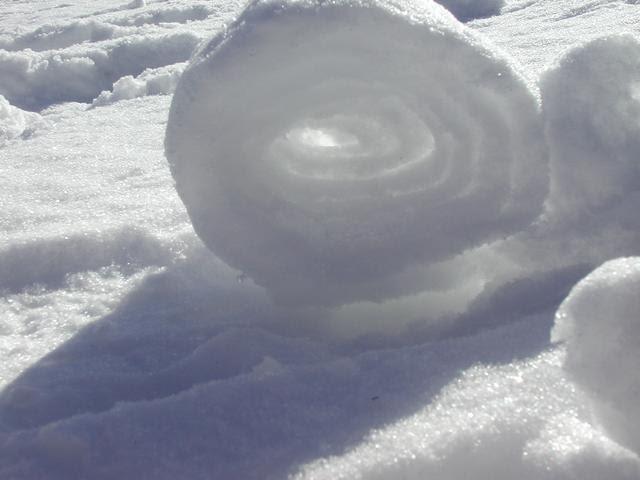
point(354, 146)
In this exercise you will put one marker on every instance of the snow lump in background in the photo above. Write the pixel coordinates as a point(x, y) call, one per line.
point(600, 325)
point(591, 103)
point(331, 178)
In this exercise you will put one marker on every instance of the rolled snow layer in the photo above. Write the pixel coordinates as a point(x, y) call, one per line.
point(324, 147)
point(591, 103)
point(600, 323)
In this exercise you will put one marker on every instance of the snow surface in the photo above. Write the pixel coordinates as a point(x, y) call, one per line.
point(130, 351)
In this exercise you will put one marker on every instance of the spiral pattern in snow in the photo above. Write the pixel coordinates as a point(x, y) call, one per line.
point(325, 147)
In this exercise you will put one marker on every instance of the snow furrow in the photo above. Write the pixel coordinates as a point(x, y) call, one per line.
point(35, 80)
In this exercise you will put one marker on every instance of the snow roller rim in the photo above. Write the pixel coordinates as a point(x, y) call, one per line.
point(328, 227)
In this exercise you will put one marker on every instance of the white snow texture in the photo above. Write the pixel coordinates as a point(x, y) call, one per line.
point(600, 325)
point(320, 188)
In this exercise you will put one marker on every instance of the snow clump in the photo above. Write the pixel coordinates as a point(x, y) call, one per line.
point(600, 325)
point(15, 122)
point(335, 169)
point(153, 81)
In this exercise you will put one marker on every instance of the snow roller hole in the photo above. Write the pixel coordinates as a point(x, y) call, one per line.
point(356, 147)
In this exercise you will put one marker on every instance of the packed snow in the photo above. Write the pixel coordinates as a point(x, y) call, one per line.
point(419, 195)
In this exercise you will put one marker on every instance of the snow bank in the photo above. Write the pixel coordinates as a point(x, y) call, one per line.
point(15, 122)
point(600, 324)
point(591, 102)
point(34, 80)
point(153, 81)
point(466, 10)
point(323, 159)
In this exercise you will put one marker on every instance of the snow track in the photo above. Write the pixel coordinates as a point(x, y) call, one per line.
point(74, 61)
point(37, 80)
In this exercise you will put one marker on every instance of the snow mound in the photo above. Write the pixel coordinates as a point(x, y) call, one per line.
point(16, 123)
point(600, 324)
point(465, 10)
point(591, 103)
point(315, 156)
point(153, 81)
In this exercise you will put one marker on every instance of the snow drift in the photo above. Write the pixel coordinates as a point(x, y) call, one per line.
point(600, 323)
point(320, 145)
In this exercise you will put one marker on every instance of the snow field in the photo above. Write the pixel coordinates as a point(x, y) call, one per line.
point(326, 195)
point(599, 323)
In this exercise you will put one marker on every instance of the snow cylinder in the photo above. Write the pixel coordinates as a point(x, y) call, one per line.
point(324, 147)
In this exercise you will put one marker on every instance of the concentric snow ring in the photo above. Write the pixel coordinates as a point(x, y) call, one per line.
point(318, 144)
